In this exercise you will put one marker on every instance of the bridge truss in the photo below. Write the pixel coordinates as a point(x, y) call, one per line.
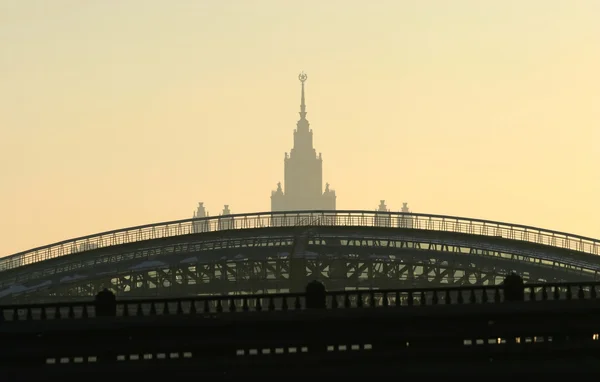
point(256, 253)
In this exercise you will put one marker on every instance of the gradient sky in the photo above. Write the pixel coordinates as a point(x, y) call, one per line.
point(117, 113)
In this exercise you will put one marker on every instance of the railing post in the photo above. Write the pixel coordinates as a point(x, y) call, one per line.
point(315, 295)
point(106, 304)
point(514, 288)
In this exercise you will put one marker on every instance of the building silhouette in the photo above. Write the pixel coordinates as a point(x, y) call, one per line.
point(302, 189)
point(384, 219)
point(303, 172)
point(202, 225)
point(226, 222)
point(405, 220)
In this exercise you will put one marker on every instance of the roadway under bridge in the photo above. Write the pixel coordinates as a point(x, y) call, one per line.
point(281, 252)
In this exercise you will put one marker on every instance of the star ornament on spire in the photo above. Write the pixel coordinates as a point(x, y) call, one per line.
point(302, 77)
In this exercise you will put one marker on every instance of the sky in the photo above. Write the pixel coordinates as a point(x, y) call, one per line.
point(118, 113)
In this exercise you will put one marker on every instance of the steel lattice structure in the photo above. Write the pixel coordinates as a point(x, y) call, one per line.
point(279, 252)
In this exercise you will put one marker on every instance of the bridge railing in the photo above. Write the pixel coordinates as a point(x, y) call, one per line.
point(304, 218)
point(334, 300)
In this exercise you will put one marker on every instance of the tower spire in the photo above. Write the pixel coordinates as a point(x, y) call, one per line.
point(302, 77)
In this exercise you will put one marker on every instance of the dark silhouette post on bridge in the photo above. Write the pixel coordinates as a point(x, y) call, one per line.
point(315, 295)
point(106, 304)
point(514, 288)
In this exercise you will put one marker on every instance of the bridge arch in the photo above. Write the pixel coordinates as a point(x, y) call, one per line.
point(252, 252)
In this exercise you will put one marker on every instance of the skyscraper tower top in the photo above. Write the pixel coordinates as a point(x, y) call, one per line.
point(303, 178)
point(303, 135)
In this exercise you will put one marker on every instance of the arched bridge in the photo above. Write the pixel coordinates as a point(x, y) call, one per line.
point(280, 252)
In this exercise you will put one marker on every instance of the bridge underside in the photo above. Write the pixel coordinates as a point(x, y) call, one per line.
point(285, 259)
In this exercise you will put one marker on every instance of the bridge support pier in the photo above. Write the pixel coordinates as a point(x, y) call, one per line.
point(298, 277)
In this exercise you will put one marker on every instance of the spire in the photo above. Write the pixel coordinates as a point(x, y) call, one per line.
point(302, 77)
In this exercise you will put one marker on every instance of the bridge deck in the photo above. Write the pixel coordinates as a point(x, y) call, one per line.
point(365, 339)
point(371, 342)
point(448, 313)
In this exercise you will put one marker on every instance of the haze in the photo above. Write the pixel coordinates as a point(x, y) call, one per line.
point(119, 113)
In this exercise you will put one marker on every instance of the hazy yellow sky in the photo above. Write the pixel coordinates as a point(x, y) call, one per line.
point(116, 113)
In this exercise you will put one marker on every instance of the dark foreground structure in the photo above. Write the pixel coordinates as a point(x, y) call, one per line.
point(492, 331)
